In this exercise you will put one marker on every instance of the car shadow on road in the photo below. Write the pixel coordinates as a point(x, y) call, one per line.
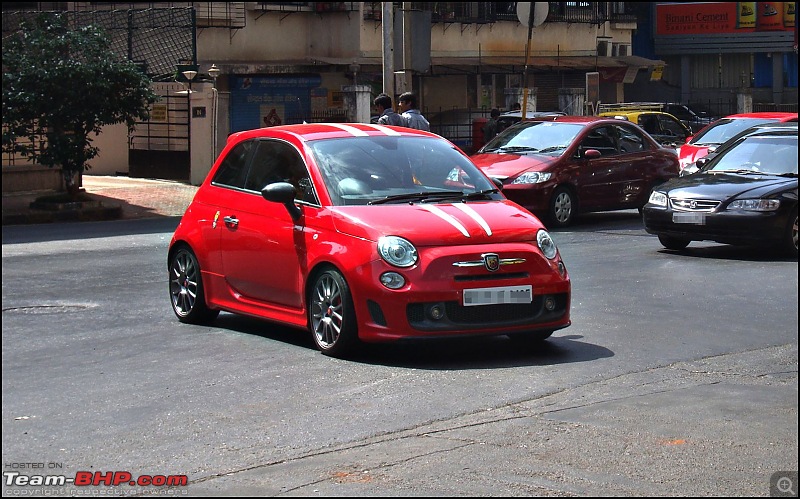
point(716, 251)
point(485, 352)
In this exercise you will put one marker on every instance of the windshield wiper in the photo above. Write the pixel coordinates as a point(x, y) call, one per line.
point(552, 148)
point(741, 172)
point(418, 196)
point(518, 149)
point(423, 197)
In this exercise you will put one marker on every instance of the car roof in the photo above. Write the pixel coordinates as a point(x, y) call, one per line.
point(581, 119)
point(767, 114)
point(532, 114)
point(633, 114)
point(317, 131)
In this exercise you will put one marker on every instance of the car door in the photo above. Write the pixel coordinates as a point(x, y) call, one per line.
point(673, 131)
point(261, 259)
point(615, 179)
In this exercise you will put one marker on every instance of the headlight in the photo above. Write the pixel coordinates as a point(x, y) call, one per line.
point(532, 178)
point(397, 251)
point(546, 244)
point(755, 204)
point(658, 198)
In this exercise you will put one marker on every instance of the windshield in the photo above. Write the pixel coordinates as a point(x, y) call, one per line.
point(759, 154)
point(546, 137)
point(368, 170)
point(725, 129)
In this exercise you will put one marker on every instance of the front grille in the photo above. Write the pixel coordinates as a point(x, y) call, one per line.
point(681, 204)
point(458, 316)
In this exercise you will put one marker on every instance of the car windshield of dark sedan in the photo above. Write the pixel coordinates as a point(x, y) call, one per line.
point(380, 169)
point(543, 137)
point(725, 129)
point(759, 155)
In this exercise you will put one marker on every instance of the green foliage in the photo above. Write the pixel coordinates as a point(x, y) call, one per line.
point(65, 84)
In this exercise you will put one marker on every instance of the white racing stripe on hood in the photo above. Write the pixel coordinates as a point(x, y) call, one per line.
point(447, 218)
point(349, 129)
point(475, 216)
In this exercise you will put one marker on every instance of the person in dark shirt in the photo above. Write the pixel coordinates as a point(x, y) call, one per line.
point(490, 128)
point(383, 103)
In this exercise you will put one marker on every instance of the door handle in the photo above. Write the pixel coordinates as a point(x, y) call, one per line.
point(231, 220)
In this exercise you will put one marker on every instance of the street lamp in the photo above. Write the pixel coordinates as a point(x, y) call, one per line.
point(214, 72)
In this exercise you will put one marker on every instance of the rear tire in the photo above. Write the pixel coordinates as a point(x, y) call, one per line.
point(673, 243)
point(186, 291)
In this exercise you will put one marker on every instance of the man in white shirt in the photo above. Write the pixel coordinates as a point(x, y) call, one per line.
point(408, 105)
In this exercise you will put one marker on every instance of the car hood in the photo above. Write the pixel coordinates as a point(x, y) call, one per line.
point(690, 153)
point(509, 165)
point(722, 186)
point(439, 224)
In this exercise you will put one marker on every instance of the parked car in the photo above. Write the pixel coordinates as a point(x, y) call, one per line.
point(559, 167)
point(665, 128)
point(712, 136)
point(695, 116)
point(363, 233)
point(760, 128)
point(746, 195)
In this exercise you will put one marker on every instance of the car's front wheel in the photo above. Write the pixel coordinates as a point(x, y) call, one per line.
point(186, 291)
point(790, 237)
point(332, 316)
point(673, 243)
point(563, 205)
point(530, 338)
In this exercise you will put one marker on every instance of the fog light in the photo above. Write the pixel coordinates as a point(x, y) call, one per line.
point(549, 304)
point(436, 312)
point(561, 268)
point(392, 280)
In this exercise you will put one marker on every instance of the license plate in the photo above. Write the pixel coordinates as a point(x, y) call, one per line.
point(498, 295)
point(689, 218)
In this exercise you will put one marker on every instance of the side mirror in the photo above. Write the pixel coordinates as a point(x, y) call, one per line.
point(284, 193)
point(497, 182)
point(591, 153)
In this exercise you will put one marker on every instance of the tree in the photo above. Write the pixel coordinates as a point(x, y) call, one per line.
point(64, 84)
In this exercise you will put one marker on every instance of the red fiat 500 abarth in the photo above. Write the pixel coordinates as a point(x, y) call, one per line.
point(361, 232)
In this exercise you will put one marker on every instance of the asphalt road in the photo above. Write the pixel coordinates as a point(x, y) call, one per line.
point(678, 377)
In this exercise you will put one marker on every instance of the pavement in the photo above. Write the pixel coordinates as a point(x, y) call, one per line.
point(112, 197)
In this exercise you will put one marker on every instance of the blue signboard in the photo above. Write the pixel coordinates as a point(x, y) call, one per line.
point(262, 101)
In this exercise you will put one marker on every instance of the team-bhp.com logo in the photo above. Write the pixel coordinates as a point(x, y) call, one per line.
point(95, 479)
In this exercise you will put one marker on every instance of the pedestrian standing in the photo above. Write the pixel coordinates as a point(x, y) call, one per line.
point(408, 104)
point(383, 103)
point(490, 128)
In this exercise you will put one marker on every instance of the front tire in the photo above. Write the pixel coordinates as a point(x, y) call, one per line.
point(531, 338)
point(186, 291)
point(673, 243)
point(563, 206)
point(790, 237)
point(331, 314)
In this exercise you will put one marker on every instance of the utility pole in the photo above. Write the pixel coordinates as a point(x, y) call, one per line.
point(387, 20)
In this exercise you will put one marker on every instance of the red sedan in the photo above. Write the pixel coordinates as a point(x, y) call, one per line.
point(360, 232)
point(559, 167)
point(715, 134)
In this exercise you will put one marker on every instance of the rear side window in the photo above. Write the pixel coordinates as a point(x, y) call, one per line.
point(233, 170)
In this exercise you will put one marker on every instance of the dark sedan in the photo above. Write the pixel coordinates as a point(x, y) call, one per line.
point(746, 195)
point(560, 166)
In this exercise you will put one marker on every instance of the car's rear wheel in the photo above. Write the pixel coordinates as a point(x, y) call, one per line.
point(186, 291)
point(331, 314)
point(790, 237)
point(563, 205)
point(673, 243)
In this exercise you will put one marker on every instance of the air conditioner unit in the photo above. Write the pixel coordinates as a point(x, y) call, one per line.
point(620, 49)
point(604, 47)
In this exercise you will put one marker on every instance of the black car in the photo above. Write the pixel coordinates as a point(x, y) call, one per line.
point(694, 116)
point(745, 195)
point(760, 128)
